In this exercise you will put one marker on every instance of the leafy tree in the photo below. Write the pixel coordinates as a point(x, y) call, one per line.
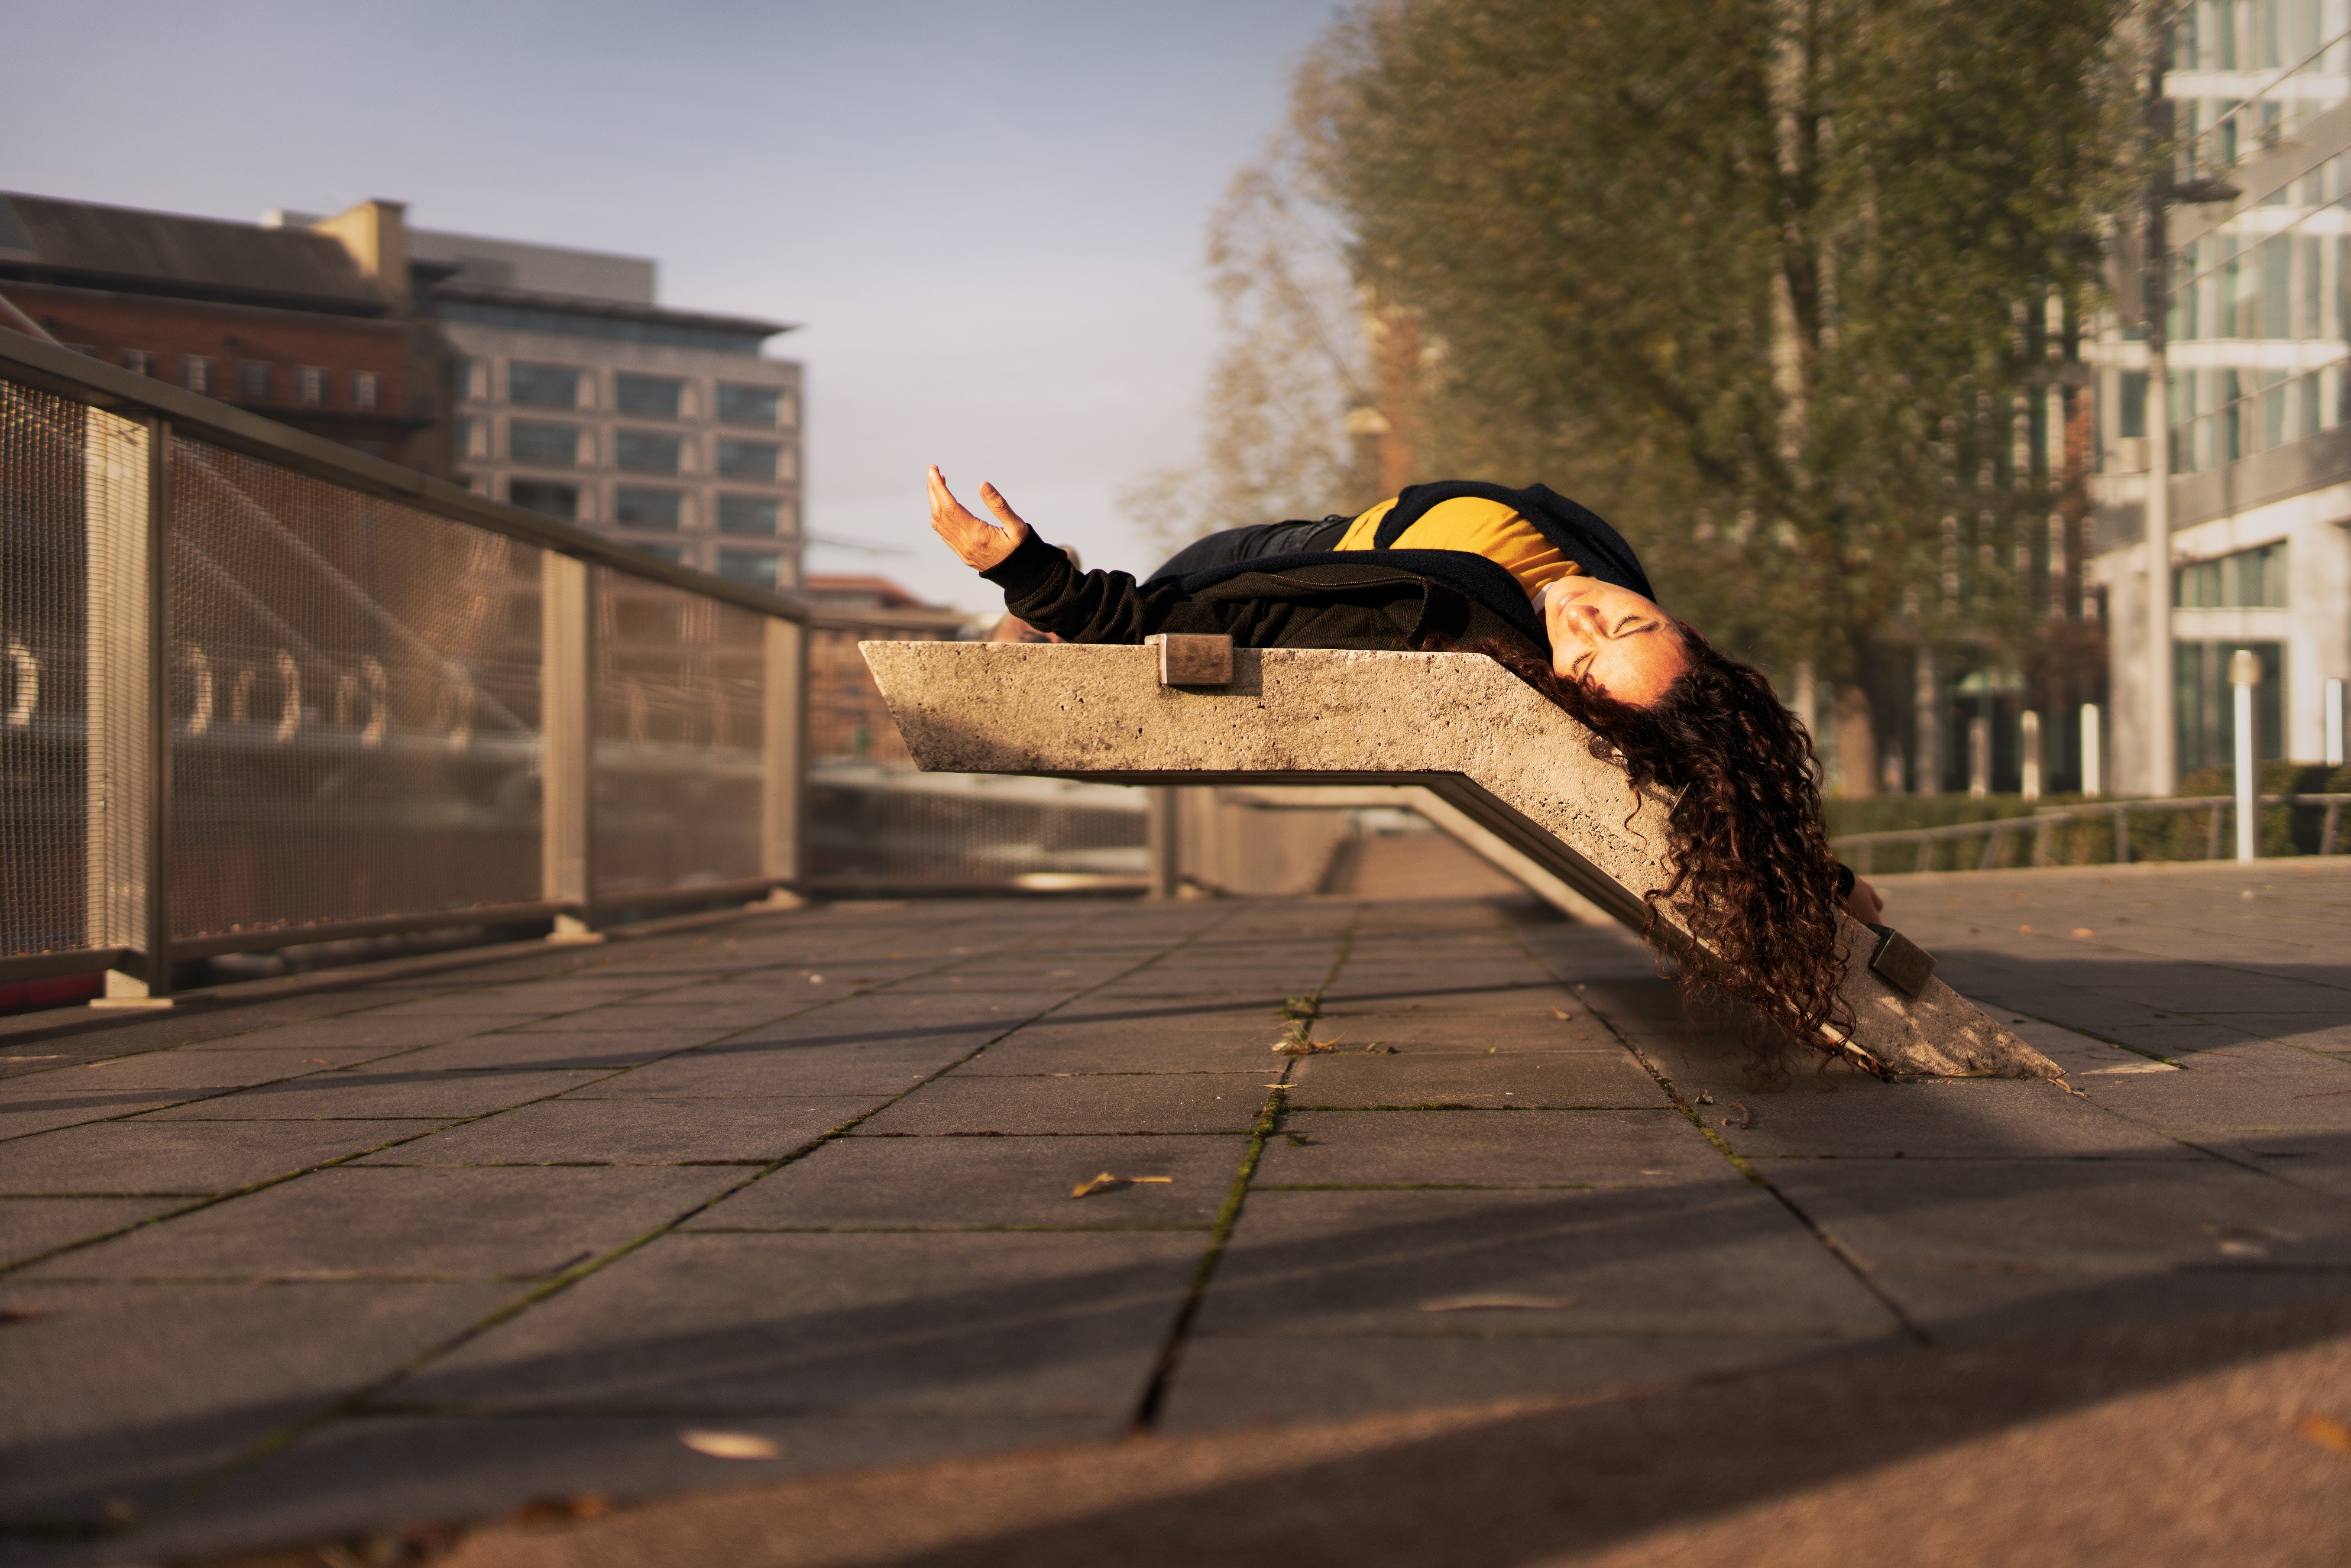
point(1773, 284)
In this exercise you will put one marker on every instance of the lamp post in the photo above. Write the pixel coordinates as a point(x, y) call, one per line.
point(2244, 675)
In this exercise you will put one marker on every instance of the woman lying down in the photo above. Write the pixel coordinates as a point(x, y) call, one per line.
point(1553, 594)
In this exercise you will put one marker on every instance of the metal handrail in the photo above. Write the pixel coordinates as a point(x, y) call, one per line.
point(52, 368)
point(1861, 846)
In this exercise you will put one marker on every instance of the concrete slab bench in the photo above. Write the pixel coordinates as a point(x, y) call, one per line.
point(1457, 725)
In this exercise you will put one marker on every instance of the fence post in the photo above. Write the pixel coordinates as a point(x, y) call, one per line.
point(126, 498)
point(1165, 841)
point(783, 773)
point(2244, 675)
point(566, 730)
point(2212, 830)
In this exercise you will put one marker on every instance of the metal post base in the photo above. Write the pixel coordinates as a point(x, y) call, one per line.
point(570, 928)
point(129, 991)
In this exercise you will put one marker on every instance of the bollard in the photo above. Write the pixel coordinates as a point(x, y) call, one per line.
point(2244, 675)
point(1979, 758)
point(2333, 723)
point(2093, 753)
point(2032, 726)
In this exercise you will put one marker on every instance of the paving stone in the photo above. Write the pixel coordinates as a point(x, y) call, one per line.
point(2079, 1214)
point(1092, 1103)
point(1221, 1383)
point(2009, 1301)
point(131, 1392)
point(348, 1476)
point(551, 1049)
point(356, 1030)
point(433, 1096)
point(1708, 1259)
point(938, 1182)
point(196, 1070)
point(632, 1131)
point(42, 1112)
point(1489, 1148)
point(950, 1324)
point(465, 1004)
point(1358, 1081)
point(1165, 1044)
point(2286, 1090)
point(358, 1221)
point(1936, 1119)
point(152, 1156)
point(779, 1070)
point(31, 1226)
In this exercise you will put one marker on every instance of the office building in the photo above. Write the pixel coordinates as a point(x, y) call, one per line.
point(576, 395)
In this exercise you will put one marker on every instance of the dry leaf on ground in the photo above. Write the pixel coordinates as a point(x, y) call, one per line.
point(558, 1510)
point(1743, 1120)
point(1106, 1180)
point(2327, 1434)
point(731, 1445)
point(1496, 1301)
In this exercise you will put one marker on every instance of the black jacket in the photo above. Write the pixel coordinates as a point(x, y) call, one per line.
point(1319, 599)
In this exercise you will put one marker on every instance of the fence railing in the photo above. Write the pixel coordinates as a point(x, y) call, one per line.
point(258, 690)
point(2063, 824)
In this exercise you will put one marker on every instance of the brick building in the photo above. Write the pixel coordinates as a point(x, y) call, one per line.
point(314, 328)
point(847, 717)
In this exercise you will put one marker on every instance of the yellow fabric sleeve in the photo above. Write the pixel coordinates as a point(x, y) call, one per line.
point(1478, 527)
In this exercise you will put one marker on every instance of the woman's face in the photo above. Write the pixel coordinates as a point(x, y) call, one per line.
point(1612, 638)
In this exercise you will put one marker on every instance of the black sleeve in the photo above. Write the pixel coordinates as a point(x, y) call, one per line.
point(1043, 588)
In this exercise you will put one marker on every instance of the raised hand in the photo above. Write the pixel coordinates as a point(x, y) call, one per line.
point(976, 542)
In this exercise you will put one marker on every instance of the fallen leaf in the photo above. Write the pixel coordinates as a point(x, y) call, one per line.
point(315, 1062)
point(2026, 929)
point(2083, 931)
point(816, 979)
point(558, 1510)
point(1300, 1046)
point(1559, 1014)
point(731, 1445)
point(1106, 1181)
point(2327, 1434)
point(1705, 1097)
point(1501, 1300)
point(1741, 1121)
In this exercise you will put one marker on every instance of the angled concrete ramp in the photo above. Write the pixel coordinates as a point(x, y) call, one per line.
point(1456, 724)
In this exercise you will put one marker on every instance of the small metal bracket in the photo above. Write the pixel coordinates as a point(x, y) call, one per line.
point(1900, 962)
point(1193, 659)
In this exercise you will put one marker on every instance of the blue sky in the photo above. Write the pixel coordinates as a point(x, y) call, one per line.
point(989, 215)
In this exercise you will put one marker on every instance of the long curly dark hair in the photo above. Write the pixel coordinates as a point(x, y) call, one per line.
point(1751, 868)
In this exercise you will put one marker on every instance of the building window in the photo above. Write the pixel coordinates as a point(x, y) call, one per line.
point(253, 382)
point(138, 362)
point(551, 446)
point(367, 389)
point(656, 397)
point(2206, 709)
point(558, 501)
point(460, 378)
point(197, 371)
point(674, 554)
point(756, 566)
point(747, 459)
point(310, 383)
point(750, 515)
point(635, 506)
point(645, 451)
point(543, 386)
point(739, 404)
point(2249, 580)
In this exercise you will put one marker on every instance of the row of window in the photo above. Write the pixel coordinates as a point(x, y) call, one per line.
point(756, 566)
point(258, 382)
point(2246, 34)
point(654, 509)
point(2253, 578)
point(547, 445)
point(534, 385)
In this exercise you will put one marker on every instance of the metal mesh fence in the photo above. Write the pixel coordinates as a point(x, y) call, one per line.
point(354, 694)
point(43, 629)
point(680, 685)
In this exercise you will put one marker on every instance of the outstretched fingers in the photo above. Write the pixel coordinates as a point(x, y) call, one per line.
point(976, 542)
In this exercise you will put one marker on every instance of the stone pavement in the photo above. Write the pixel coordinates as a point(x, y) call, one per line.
point(310, 1267)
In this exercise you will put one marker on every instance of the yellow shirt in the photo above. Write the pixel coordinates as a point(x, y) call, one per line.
point(1478, 527)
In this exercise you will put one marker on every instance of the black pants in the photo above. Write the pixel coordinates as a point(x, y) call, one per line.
point(1248, 544)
